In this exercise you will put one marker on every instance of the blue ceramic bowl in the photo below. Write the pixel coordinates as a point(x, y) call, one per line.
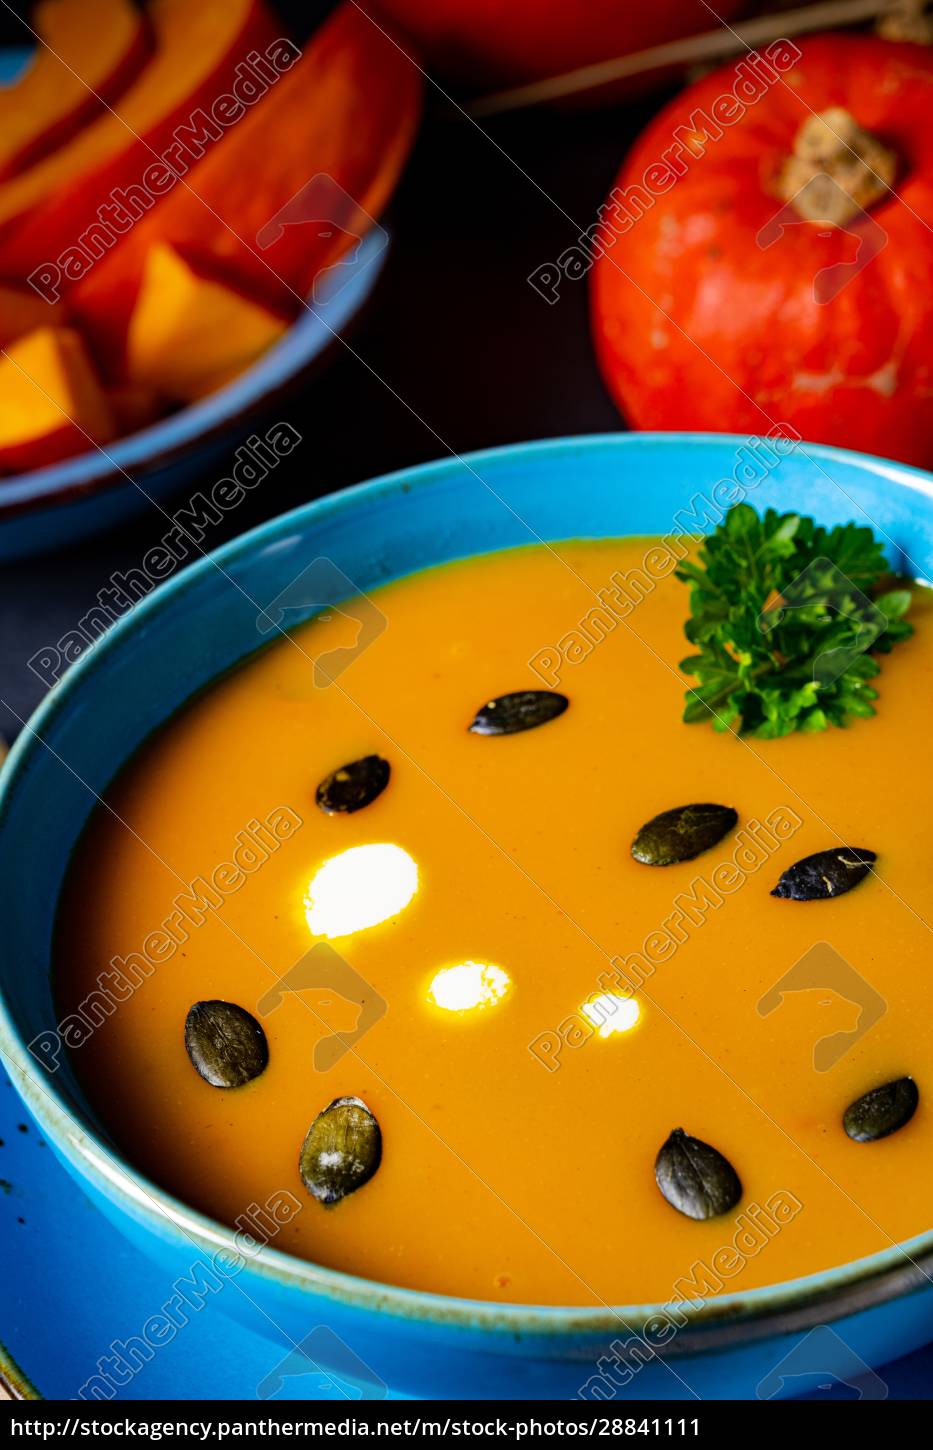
point(191, 629)
point(48, 508)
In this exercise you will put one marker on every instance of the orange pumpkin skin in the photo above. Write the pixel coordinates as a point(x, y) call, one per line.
point(505, 42)
point(698, 326)
point(89, 57)
point(349, 109)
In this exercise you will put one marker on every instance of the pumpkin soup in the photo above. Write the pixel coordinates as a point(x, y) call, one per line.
point(523, 988)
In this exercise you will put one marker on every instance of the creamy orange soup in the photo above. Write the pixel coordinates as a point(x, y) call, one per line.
point(520, 1124)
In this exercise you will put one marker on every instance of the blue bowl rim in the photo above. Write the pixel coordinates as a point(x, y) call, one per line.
point(133, 459)
point(14, 1380)
point(712, 1324)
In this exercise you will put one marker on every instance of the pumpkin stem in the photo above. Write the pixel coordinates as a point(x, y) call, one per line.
point(837, 170)
point(907, 20)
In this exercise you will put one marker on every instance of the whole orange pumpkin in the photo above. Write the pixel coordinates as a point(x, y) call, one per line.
point(506, 42)
point(771, 276)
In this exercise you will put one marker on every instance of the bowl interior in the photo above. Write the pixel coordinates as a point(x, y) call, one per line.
point(339, 293)
point(209, 618)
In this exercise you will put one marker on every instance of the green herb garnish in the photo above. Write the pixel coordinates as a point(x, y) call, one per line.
point(787, 618)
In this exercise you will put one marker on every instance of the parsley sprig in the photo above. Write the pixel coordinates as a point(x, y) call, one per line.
point(787, 619)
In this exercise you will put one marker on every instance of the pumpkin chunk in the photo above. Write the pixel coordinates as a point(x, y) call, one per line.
point(134, 406)
point(191, 334)
point(51, 401)
point(332, 133)
point(22, 311)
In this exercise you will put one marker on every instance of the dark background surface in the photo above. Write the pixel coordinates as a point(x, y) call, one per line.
point(455, 349)
point(455, 352)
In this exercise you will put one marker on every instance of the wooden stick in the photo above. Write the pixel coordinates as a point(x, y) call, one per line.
point(713, 45)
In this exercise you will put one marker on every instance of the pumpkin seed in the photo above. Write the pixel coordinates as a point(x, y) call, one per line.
point(695, 1178)
point(226, 1045)
point(881, 1111)
point(522, 710)
point(682, 833)
point(825, 874)
point(341, 1152)
point(353, 786)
